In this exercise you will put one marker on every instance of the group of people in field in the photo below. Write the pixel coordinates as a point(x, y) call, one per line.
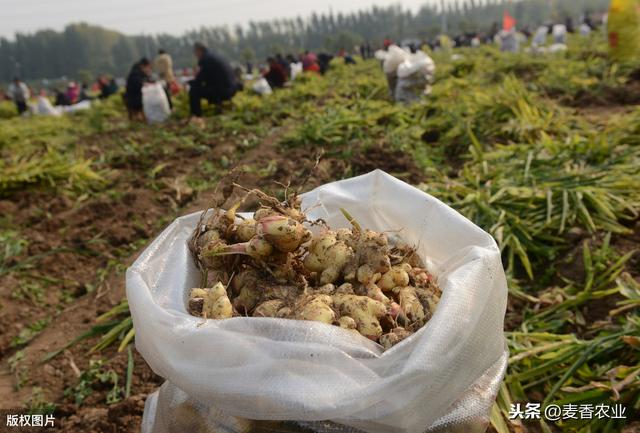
point(70, 95)
point(281, 69)
point(216, 80)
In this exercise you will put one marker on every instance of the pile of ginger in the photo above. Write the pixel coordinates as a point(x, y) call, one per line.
point(273, 265)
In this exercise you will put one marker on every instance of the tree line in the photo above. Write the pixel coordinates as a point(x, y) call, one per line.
point(81, 51)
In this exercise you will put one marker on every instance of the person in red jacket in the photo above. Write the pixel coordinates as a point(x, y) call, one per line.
point(309, 62)
point(276, 76)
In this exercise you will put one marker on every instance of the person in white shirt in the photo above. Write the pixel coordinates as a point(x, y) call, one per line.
point(19, 93)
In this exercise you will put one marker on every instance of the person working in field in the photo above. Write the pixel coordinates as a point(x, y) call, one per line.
point(84, 93)
point(309, 62)
point(139, 75)
point(19, 94)
point(107, 86)
point(164, 68)
point(276, 75)
point(286, 65)
point(215, 82)
point(73, 93)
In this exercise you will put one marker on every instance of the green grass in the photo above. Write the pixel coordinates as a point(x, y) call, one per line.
point(94, 376)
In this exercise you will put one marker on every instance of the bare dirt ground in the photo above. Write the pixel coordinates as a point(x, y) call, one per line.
point(81, 250)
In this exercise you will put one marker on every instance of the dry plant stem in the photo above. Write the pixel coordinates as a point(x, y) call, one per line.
point(351, 219)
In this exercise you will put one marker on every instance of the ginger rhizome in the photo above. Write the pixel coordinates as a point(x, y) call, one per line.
point(278, 264)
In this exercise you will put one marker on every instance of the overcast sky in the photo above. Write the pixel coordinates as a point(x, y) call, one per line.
point(157, 16)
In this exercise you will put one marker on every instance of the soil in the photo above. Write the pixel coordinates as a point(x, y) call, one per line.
point(78, 249)
point(627, 94)
point(569, 266)
point(395, 162)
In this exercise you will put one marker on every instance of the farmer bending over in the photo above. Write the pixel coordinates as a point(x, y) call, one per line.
point(215, 81)
point(276, 75)
point(139, 75)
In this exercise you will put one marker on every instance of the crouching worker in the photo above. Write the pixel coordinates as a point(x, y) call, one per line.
point(215, 82)
point(276, 75)
point(139, 75)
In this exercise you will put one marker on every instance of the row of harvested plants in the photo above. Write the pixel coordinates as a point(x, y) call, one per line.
point(278, 264)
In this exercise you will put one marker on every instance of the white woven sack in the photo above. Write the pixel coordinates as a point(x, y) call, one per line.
point(155, 103)
point(261, 87)
point(221, 372)
point(395, 56)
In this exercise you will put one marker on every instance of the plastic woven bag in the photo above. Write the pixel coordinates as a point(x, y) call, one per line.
point(411, 88)
point(296, 70)
point(623, 26)
point(261, 87)
point(155, 103)
point(83, 105)
point(414, 76)
point(556, 48)
point(222, 373)
point(380, 55)
point(585, 29)
point(540, 36)
point(44, 107)
point(559, 33)
point(418, 63)
point(509, 41)
point(395, 56)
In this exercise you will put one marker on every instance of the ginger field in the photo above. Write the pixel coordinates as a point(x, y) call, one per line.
point(543, 152)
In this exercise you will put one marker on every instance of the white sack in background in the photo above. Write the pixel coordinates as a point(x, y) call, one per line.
point(261, 87)
point(418, 63)
point(44, 107)
point(82, 105)
point(395, 56)
point(296, 70)
point(559, 32)
point(155, 103)
point(540, 36)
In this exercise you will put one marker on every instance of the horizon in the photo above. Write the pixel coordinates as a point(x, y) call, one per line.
point(28, 17)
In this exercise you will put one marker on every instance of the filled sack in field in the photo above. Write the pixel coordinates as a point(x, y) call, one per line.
point(261, 87)
point(418, 63)
point(380, 55)
point(44, 107)
point(540, 37)
point(296, 70)
point(411, 88)
point(623, 27)
point(83, 105)
point(508, 41)
point(559, 33)
point(221, 374)
point(414, 76)
point(155, 103)
point(395, 56)
point(555, 48)
point(585, 29)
